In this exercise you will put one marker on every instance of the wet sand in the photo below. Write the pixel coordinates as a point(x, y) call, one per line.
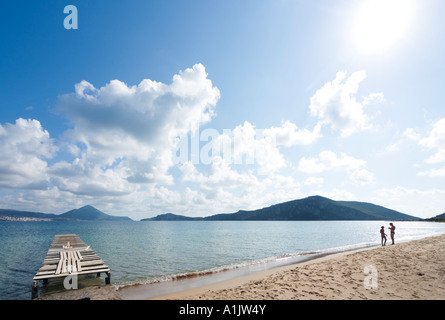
point(413, 270)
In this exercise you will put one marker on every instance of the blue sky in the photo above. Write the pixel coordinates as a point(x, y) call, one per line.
point(203, 107)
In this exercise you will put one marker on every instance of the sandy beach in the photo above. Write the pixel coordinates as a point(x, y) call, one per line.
point(413, 270)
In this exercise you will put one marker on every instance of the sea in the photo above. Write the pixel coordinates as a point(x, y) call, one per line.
point(149, 252)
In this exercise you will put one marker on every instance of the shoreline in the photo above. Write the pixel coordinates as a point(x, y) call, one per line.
point(223, 286)
point(412, 269)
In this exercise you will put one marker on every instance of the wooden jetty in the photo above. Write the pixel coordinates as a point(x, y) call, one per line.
point(68, 255)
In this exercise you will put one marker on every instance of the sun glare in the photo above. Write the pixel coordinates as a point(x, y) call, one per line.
point(381, 24)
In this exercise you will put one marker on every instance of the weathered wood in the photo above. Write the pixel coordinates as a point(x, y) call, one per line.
point(34, 292)
point(83, 272)
point(68, 255)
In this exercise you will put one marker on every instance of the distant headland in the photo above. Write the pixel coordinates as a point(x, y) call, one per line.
point(310, 208)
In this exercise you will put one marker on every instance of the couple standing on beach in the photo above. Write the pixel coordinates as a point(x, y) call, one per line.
point(392, 229)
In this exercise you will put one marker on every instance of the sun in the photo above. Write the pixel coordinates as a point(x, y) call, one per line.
point(381, 24)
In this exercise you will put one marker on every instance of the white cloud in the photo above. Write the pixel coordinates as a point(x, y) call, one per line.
point(433, 172)
point(25, 147)
point(410, 134)
point(288, 134)
point(362, 176)
point(150, 111)
point(378, 97)
point(329, 161)
point(435, 142)
point(127, 134)
point(314, 181)
point(246, 144)
point(85, 178)
point(256, 148)
point(338, 194)
point(49, 200)
point(336, 103)
point(220, 174)
point(405, 200)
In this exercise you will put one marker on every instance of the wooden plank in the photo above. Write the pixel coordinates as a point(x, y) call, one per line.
point(68, 262)
point(73, 262)
point(79, 267)
point(59, 266)
point(52, 276)
point(94, 270)
point(92, 263)
point(41, 273)
point(64, 266)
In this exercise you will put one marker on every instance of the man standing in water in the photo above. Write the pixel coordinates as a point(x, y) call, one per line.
point(392, 228)
point(383, 234)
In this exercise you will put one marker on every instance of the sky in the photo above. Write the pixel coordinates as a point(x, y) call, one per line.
point(200, 107)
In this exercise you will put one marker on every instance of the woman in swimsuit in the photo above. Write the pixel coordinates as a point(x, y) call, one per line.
point(393, 231)
point(383, 234)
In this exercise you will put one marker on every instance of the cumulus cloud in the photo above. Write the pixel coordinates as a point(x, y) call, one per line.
point(25, 149)
point(149, 111)
point(329, 161)
point(406, 200)
point(82, 177)
point(435, 142)
point(410, 134)
point(127, 134)
point(336, 103)
point(314, 181)
point(220, 174)
point(289, 135)
point(246, 144)
point(257, 148)
point(433, 172)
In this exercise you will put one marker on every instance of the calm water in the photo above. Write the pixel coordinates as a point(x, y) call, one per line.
point(143, 252)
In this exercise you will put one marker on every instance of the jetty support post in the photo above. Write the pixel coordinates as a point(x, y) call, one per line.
point(35, 289)
point(108, 278)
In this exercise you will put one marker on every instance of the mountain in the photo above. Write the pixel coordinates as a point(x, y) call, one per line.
point(12, 215)
point(317, 208)
point(171, 217)
point(90, 213)
point(438, 218)
point(311, 208)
